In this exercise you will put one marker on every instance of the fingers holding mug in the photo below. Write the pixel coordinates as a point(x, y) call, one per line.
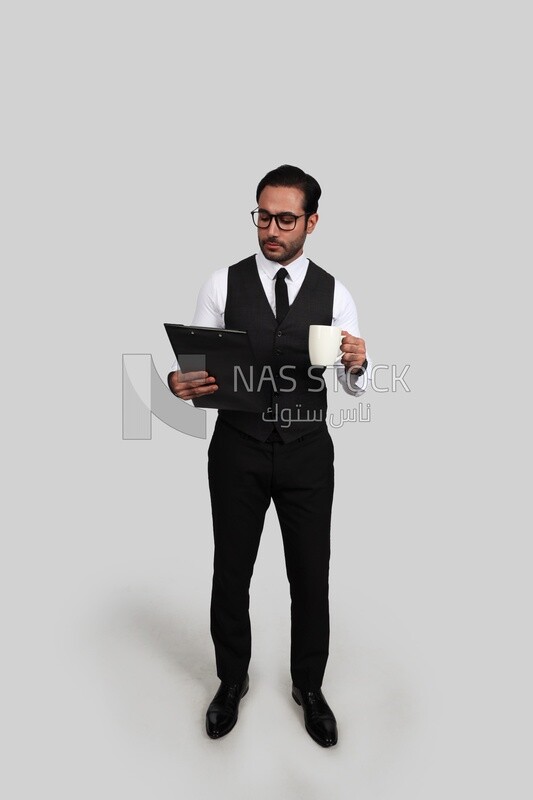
point(353, 350)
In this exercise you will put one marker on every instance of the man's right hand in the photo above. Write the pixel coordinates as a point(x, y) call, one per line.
point(187, 385)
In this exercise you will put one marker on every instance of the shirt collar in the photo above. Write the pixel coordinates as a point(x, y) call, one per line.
point(296, 268)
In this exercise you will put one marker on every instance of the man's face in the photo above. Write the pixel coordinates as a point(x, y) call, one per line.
point(278, 245)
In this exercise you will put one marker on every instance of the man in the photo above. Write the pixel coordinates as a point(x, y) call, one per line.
point(255, 458)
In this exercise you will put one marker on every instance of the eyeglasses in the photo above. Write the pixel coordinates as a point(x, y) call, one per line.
point(284, 221)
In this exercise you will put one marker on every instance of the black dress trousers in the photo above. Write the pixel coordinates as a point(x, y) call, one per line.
point(244, 476)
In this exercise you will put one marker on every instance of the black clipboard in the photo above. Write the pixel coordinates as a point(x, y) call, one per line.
point(225, 354)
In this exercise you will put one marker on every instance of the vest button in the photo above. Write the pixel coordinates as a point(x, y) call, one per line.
point(279, 333)
point(277, 351)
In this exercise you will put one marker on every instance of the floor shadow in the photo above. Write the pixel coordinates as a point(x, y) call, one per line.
point(173, 635)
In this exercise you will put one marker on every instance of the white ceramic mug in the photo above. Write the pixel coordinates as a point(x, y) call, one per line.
point(324, 344)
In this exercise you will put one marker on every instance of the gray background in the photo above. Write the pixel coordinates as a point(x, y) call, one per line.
point(134, 135)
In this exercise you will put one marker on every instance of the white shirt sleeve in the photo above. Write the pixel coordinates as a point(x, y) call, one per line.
point(211, 303)
point(345, 317)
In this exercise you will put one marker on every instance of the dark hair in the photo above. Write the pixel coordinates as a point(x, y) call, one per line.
point(286, 175)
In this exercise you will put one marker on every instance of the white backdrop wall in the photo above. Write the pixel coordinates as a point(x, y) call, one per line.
point(134, 136)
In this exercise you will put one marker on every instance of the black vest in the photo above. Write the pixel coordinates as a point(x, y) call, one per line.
point(293, 393)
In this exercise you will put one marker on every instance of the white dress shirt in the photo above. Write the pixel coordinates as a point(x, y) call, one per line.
point(211, 305)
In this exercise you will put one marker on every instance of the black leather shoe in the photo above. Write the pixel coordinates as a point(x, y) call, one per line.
point(224, 708)
point(320, 721)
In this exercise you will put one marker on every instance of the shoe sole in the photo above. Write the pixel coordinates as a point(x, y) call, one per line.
point(220, 735)
point(311, 734)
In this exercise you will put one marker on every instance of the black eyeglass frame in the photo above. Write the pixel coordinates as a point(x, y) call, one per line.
point(295, 217)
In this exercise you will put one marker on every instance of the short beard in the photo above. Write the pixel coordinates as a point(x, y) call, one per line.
point(287, 252)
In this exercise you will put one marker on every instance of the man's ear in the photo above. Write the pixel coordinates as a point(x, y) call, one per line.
point(311, 223)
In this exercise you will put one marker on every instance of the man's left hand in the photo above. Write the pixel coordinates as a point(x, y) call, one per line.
point(354, 351)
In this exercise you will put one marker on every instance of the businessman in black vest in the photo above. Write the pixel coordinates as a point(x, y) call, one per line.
point(255, 458)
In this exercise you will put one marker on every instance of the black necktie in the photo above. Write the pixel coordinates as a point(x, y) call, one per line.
point(282, 296)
